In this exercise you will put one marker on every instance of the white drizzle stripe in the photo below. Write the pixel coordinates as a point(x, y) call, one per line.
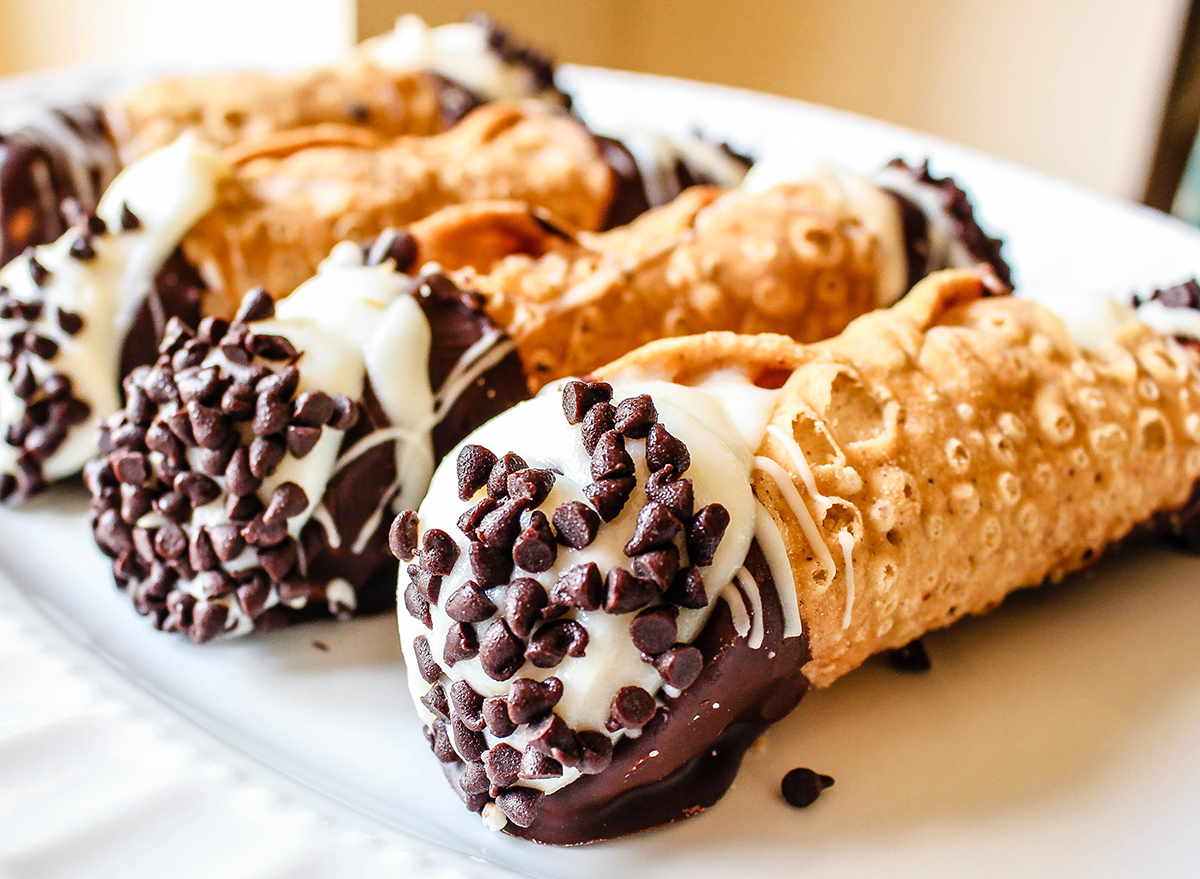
point(771, 542)
point(846, 539)
point(757, 626)
point(485, 353)
point(822, 502)
point(370, 441)
point(737, 609)
point(807, 523)
point(332, 536)
point(369, 527)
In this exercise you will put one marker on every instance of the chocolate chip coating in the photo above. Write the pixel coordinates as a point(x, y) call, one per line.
point(402, 536)
point(501, 653)
point(576, 524)
point(635, 416)
point(473, 467)
point(632, 708)
point(653, 631)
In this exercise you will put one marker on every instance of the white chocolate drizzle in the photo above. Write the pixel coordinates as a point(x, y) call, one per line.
point(754, 595)
point(846, 539)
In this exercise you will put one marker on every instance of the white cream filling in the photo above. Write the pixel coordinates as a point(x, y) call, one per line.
point(1092, 318)
point(167, 190)
point(457, 51)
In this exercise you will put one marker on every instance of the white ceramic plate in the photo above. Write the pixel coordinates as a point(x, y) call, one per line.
point(1056, 736)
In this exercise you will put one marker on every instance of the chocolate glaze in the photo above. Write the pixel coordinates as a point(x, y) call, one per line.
point(958, 207)
point(697, 758)
point(177, 292)
point(916, 237)
point(38, 171)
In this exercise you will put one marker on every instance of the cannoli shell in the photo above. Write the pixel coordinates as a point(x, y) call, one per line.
point(790, 260)
point(291, 198)
point(969, 448)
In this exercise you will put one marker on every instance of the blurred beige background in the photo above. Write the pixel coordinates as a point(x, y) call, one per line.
point(1071, 87)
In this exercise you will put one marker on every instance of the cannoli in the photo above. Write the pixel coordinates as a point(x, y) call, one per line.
point(249, 480)
point(413, 81)
point(802, 259)
point(612, 589)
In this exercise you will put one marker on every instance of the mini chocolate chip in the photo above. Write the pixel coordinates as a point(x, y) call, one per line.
point(256, 305)
point(599, 421)
point(554, 641)
point(530, 700)
point(301, 440)
point(912, 657)
point(234, 352)
point(555, 739)
point(239, 480)
point(656, 526)
point(279, 385)
point(535, 549)
point(170, 541)
point(495, 717)
point(502, 764)
point(417, 606)
point(474, 465)
point(200, 490)
point(401, 248)
point(279, 560)
point(659, 566)
point(597, 751)
point(443, 748)
point(174, 335)
point(435, 700)
point(135, 504)
point(468, 705)
point(38, 272)
point(130, 468)
point(129, 220)
point(677, 495)
point(497, 483)
point(160, 438)
point(499, 528)
point(210, 426)
point(662, 449)
point(635, 416)
point(576, 524)
point(474, 780)
point(801, 787)
point(194, 383)
point(143, 542)
point(258, 533)
point(8, 485)
point(270, 415)
point(56, 386)
point(312, 409)
point(402, 537)
point(625, 593)
point(41, 346)
point(227, 541)
point(579, 398)
point(287, 500)
point(654, 631)
point(238, 402)
point(24, 383)
point(524, 601)
point(159, 385)
point(608, 496)
point(75, 411)
point(687, 589)
point(82, 249)
point(175, 506)
point(70, 322)
point(461, 644)
point(469, 521)
point(439, 552)
point(345, 413)
point(520, 804)
point(469, 604)
point(266, 452)
point(535, 764)
point(632, 708)
point(242, 509)
point(42, 442)
point(138, 408)
point(532, 484)
point(490, 567)
point(201, 555)
point(214, 584)
point(501, 653)
point(705, 533)
point(680, 666)
point(208, 621)
point(190, 356)
point(580, 586)
point(610, 460)
point(273, 348)
point(181, 426)
point(212, 330)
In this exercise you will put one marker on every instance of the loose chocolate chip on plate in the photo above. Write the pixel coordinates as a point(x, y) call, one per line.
point(632, 708)
point(801, 787)
point(912, 657)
